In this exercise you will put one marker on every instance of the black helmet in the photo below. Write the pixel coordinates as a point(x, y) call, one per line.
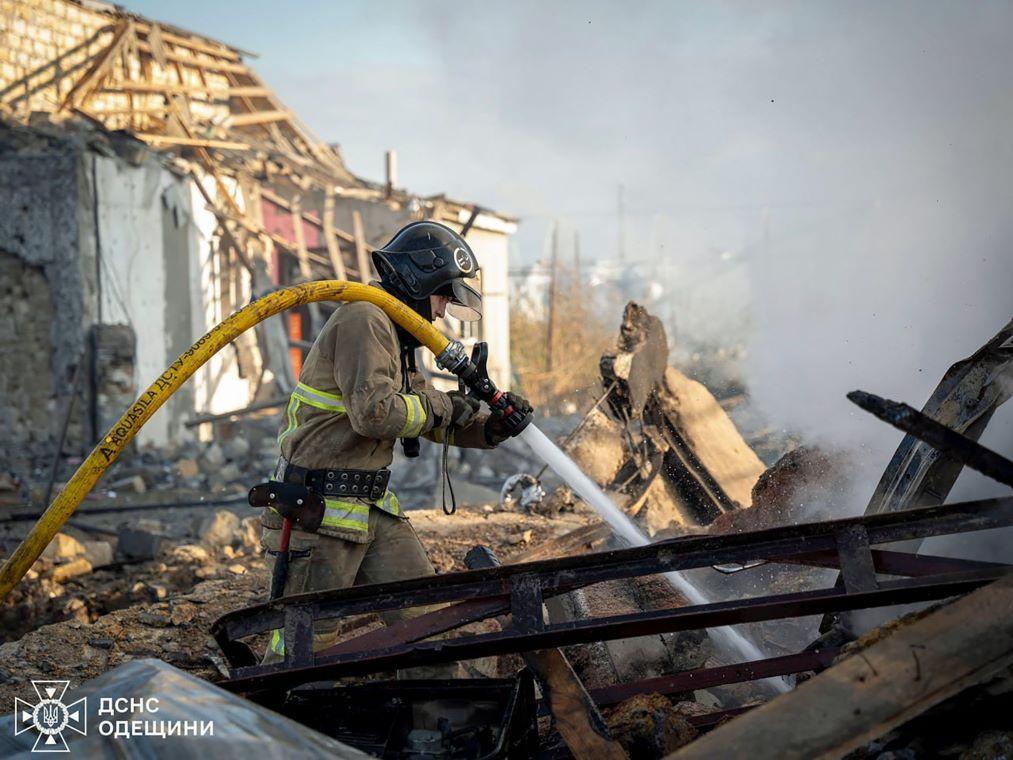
point(427, 258)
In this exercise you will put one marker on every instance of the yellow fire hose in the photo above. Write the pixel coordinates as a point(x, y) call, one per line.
point(121, 433)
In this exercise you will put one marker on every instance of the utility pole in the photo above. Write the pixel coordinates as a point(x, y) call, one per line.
point(576, 258)
point(622, 222)
point(550, 333)
point(390, 160)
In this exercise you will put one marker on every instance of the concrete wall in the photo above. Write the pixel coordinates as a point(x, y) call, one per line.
point(42, 295)
point(91, 235)
point(164, 275)
point(219, 290)
point(132, 266)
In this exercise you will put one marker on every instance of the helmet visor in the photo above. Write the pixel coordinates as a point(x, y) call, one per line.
point(465, 302)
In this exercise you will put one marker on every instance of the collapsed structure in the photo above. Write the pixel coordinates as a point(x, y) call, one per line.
point(120, 126)
point(150, 185)
point(618, 655)
point(659, 442)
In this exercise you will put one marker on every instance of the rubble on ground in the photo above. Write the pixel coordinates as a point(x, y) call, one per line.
point(649, 726)
point(171, 627)
point(84, 580)
point(164, 607)
point(807, 484)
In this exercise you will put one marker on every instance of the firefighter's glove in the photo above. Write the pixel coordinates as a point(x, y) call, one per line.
point(519, 403)
point(496, 429)
point(464, 411)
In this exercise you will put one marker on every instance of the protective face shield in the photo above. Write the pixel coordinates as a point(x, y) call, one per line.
point(427, 258)
point(465, 302)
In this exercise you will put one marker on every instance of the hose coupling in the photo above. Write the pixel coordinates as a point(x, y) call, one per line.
point(453, 358)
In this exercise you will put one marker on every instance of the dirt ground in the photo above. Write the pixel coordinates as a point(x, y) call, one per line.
point(165, 608)
point(448, 538)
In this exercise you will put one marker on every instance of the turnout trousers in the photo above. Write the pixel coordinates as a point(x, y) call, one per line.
point(320, 562)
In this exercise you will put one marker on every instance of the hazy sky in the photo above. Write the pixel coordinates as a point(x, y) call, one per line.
point(709, 113)
point(852, 159)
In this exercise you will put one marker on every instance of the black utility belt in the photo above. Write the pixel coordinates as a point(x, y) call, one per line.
point(363, 484)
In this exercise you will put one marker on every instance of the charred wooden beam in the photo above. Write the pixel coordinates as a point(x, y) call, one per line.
point(938, 436)
point(878, 688)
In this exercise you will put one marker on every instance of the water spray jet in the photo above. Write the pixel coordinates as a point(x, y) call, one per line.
point(725, 638)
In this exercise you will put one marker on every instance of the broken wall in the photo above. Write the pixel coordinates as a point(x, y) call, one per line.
point(98, 231)
point(162, 273)
point(219, 286)
point(130, 265)
point(44, 292)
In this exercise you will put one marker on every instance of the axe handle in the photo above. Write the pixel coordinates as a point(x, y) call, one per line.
point(281, 561)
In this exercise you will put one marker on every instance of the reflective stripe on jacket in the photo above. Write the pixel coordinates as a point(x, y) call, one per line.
point(345, 515)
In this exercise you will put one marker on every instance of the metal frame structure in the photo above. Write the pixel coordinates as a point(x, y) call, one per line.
point(519, 590)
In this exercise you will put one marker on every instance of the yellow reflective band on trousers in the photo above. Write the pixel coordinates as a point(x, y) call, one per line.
point(354, 515)
point(390, 504)
point(277, 642)
point(415, 416)
point(346, 515)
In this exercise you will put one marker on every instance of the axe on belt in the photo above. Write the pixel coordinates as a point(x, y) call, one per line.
point(298, 506)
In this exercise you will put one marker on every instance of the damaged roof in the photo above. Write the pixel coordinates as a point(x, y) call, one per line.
point(177, 91)
point(166, 86)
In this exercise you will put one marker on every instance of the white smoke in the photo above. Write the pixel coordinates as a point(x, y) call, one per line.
point(831, 179)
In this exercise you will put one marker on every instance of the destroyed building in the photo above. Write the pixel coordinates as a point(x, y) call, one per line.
point(150, 185)
point(700, 596)
point(622, 665)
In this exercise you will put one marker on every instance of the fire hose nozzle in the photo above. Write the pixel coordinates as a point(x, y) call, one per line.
point(513, 420)
point(473, 376)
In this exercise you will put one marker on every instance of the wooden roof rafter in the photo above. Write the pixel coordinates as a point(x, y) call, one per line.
point(310, 219)
point(124, 71)
point(245, 94)
point(196, 97)
point(100, 67)
point(186, 86)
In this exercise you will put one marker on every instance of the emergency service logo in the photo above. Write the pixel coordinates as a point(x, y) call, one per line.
point(463, 260)
point(50, 716)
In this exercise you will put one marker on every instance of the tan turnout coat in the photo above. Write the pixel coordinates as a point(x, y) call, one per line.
point(348, 410)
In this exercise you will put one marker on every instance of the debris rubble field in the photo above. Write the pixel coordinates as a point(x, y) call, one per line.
point(152, 184)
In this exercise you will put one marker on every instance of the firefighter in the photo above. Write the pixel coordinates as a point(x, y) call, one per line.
point(358, 392)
